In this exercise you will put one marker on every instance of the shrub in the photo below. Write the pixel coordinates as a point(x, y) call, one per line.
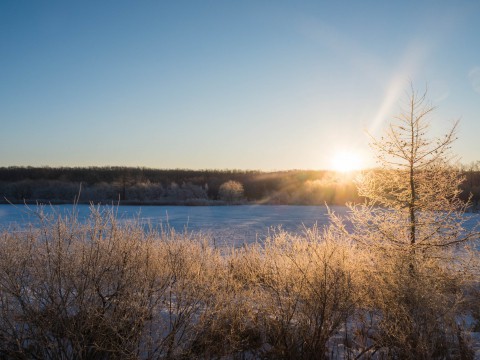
point(303, 292)
point(231, 191)
point(100, 290)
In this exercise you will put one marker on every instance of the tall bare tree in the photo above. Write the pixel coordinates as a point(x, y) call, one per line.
point(416, 183)
point(412, 223)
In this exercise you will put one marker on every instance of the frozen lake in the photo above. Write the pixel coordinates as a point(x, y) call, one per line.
point(238, 224)
point(226, 224)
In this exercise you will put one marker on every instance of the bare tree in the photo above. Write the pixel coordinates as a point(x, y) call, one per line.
point(231, 191)
point(416, 182)
point(412, 223)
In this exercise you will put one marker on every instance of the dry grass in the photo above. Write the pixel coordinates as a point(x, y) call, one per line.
point(101, 289)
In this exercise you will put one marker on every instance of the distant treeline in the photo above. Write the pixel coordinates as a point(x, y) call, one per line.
point(179, 186)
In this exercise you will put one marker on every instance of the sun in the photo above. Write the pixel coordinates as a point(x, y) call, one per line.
point(346, 161)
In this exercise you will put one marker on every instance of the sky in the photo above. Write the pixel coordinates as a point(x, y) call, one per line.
point(261, 85)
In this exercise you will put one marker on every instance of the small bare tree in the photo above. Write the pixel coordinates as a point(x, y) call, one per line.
point(231, 191)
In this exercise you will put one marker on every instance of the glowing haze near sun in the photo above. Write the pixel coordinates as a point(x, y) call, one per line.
point(346, 161)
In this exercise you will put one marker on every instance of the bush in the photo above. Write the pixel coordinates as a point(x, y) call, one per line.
point(100, 290)
point(303, 292)
point(231, 191)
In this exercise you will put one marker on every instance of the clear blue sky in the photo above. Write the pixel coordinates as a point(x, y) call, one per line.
point(227, 84)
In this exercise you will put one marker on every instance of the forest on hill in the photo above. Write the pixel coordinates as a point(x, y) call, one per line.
point(129, 185)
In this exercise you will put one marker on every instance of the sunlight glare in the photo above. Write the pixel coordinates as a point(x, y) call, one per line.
point(346, 162)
